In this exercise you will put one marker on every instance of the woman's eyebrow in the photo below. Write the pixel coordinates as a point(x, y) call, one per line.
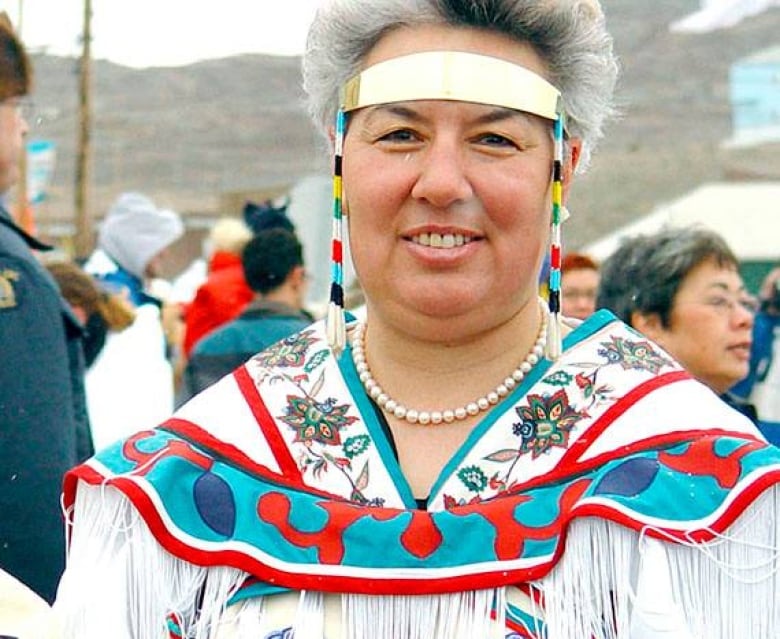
point(496, 114)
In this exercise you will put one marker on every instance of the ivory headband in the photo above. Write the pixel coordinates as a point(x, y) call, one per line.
point(452, 75)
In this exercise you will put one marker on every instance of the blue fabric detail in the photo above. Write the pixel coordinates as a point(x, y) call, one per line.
point(629, 478)
point(215, 504)
point(760, 353)
point(347, 367)
point(256, 589)
point(120, 281)
point(467, 537)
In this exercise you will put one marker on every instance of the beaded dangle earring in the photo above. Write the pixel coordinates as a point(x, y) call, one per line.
point(335, 323)
point(554, 339)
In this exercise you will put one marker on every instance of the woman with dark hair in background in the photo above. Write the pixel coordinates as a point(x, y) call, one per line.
point(681, 287)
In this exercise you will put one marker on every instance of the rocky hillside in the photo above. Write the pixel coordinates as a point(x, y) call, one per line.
point(190, 136)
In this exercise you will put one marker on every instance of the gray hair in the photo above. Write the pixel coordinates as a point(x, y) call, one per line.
point(569, 35)
point(645, 272)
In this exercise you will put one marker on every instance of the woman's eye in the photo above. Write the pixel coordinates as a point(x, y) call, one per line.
point(719, 302)
point(494, 139)
point(399, 135)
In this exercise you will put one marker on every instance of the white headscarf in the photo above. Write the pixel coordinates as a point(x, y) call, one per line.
point(135, 230)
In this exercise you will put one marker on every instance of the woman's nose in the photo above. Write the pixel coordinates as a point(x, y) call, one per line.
point(743, 315)
point(442, 179)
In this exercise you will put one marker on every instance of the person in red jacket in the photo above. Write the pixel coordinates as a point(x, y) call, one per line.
point(225, 292)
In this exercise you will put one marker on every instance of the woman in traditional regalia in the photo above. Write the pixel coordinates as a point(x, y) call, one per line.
point(463, 463)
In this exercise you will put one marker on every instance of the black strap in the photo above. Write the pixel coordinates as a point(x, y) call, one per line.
point(32, 242)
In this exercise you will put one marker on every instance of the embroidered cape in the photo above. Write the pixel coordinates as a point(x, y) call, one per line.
point(283, 474)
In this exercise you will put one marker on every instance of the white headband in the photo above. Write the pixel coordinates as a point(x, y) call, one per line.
point(453, 75)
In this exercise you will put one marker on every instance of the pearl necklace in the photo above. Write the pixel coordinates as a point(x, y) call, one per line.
point(424, 417)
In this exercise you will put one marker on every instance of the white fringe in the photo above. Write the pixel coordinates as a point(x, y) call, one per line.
point(310, 616)
point(737, 592)
point(723, 589)
point(110, 550)
point(463, 615)
point(611, 583)
point(578, 599)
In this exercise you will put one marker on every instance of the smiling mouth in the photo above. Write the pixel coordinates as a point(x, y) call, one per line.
point(439, 240)
point(742, 351)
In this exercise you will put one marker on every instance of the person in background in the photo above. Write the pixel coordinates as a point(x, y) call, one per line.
point(130, 384)
point(761, 386)
point(579, 283)
point(273, 268)
point(44, 429)
point(225, 292)
point(681, 287)
point(99, 311)
point(464, 462)
point(269, 214)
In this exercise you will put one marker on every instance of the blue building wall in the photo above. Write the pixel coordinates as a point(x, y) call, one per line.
point(755, 92)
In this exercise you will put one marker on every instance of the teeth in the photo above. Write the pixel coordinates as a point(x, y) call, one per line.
point(437, 240)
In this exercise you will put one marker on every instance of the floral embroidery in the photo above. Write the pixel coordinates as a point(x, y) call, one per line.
point(592, 392)
point(631, 355)
point(354, 446)
point(318, 421)
point(559, 378)
point(289, 353)
point(548, 418)
point(473, 478)
point(546, 422)
point(315, 421)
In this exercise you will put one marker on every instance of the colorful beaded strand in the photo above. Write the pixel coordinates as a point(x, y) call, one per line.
point(554, 339)
point(335, 322)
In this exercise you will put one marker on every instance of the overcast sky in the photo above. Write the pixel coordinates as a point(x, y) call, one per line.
point(142, 33)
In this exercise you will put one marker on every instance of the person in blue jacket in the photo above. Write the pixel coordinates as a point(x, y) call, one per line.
point(273, 268)
point(44, 427)
point(761, 386)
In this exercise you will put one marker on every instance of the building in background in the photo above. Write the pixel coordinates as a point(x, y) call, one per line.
point(754, 87)
point(744, 213)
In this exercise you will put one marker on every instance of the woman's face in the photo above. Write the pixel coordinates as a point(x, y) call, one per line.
point(579, 287)
point(710, 329)
point(448, 202)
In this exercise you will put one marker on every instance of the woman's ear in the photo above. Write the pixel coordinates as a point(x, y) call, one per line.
point(298, 276)
point(575, 146)
point(573, 156)
point(648, 324)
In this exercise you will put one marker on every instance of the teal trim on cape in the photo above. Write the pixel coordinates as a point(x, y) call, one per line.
point(208, 503)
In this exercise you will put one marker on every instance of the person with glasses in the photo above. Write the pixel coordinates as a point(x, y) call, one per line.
point(44, 429)
point(579, 283)
point(681, 287)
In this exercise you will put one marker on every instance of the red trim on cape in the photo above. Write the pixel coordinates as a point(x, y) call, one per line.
point(424, 584)
point(631, 398)
point(266, 423)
